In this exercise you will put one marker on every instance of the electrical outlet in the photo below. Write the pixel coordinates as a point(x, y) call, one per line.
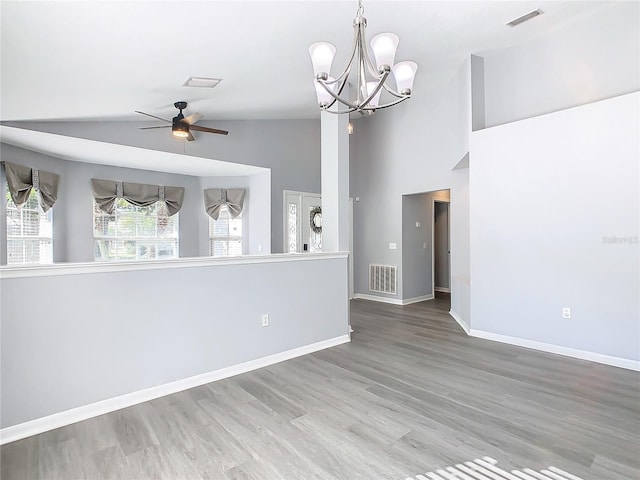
point(418, 225)
point(566, 312)
point(265, 320)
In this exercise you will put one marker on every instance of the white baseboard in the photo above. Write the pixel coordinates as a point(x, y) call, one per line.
point(550, 348)
point(33, 427)
point(443, 289)
point(460, 321)
point(423, 298)
point(376, 298)
point(393, 301)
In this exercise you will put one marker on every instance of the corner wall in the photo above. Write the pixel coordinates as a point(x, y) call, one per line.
point(555, 216)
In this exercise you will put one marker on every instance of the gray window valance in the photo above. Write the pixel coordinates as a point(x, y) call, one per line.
point(215, 198)
point(22, 179)
point(106, 192)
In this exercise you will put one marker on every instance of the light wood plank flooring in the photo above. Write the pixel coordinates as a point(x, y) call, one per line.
point(410, 394)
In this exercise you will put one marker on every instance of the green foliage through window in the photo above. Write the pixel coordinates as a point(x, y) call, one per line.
point(135, 233)
point(29, 232)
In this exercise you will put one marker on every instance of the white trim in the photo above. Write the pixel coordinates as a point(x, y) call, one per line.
point(61, 419)
point(26, 271)
point(423, 298)
point(376, 298)
point(559, 350)
point(392, 301)
point(460, 321)
point(442, 289)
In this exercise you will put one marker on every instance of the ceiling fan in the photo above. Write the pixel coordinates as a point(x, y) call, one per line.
point(181, 126)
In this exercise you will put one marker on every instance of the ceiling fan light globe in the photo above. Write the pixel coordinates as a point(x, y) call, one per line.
point(180, 130)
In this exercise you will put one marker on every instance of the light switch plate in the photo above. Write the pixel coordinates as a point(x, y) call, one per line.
point(393, 246)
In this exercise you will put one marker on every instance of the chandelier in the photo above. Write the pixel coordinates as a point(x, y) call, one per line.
point(371, 77)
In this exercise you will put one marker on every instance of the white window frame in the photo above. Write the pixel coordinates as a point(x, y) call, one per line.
point(45, 219)
point(224, 212)
point(138, 240)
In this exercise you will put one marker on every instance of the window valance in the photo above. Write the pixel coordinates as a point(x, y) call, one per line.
point(22, 179)
point(106, 192)
point(216, 198)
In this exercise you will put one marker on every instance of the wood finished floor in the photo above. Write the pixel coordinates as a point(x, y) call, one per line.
point(410, 394)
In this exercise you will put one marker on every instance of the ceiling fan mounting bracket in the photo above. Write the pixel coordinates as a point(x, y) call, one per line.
point(180, 105)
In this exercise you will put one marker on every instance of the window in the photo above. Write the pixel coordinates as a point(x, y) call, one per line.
point(29, 232)
point(135, 233)
point(225, 235)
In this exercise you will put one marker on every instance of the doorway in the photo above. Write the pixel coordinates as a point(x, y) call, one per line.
point(441, 247)
point(302, 214)
point(303, 222)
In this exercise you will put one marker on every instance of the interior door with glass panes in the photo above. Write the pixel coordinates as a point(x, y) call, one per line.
point(303, 225)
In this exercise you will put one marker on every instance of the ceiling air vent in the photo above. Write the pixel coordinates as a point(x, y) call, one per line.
point(525, 17)
point(202, 82)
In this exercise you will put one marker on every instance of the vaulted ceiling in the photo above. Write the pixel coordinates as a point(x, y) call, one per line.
point(101, 60)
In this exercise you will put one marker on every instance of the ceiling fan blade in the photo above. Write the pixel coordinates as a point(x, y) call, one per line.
point(159, 126)
point(193, 118)
point(153, 116)
point(208, 130)
point(190, 137)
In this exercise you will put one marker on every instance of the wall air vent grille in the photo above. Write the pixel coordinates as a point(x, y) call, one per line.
point(525, 17)
point(383, 278)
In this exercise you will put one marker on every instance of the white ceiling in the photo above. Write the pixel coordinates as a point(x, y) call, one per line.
point(103, 60)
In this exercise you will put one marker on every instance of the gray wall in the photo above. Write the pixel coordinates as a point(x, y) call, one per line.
point(593, 56)
point(290, 148)
point(405, 150)
point(94, 336)
point(441, 245)
point(544, 235)
point(460, 242)
point(416, 260)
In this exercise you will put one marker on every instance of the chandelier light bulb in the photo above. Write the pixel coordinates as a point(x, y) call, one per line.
point(384, 46)
point(322, 54)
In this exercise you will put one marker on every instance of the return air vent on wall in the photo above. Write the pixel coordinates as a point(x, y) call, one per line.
point(382, 278)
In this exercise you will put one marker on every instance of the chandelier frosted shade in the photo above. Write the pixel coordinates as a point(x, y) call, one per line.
point(370, 75)
point(384, 46)
point(322, 54)
point(405, 73)
point(324, 97)
point(368, 90)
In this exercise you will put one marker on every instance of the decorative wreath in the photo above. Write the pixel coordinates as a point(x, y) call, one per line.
point(315, 219)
